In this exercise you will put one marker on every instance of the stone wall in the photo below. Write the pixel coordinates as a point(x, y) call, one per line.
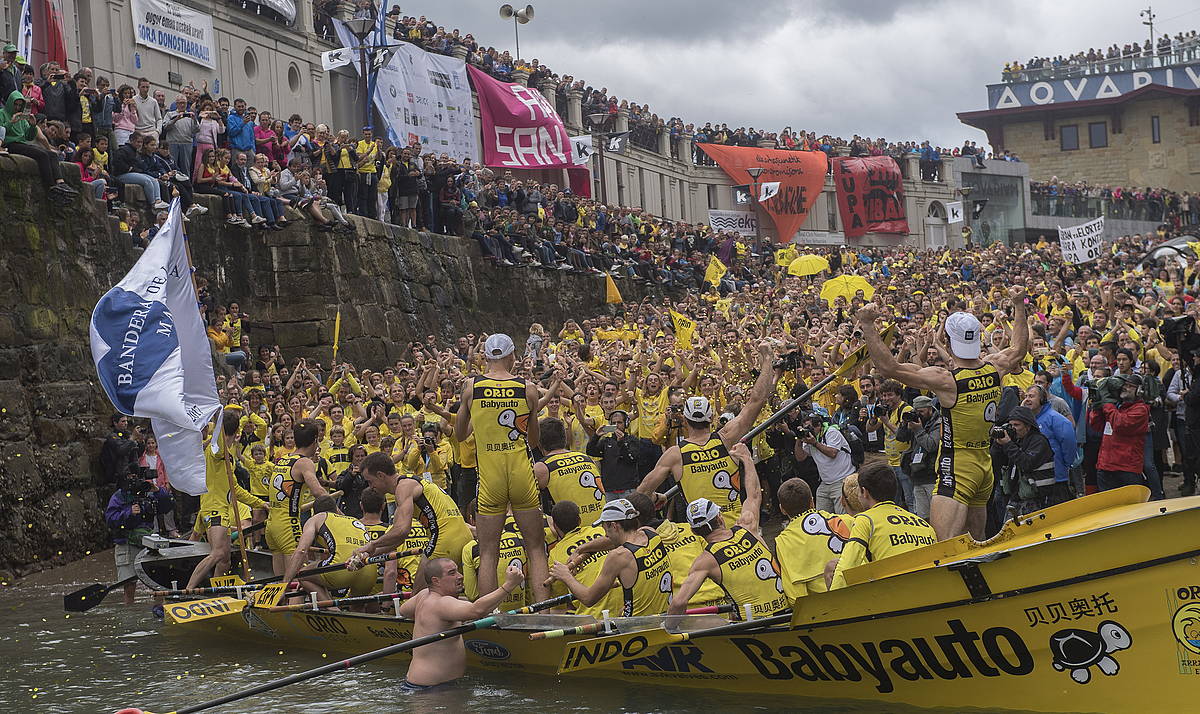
point(392, 286)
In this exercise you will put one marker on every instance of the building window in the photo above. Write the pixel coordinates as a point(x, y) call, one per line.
point(294, 78)
point(1097, 134)
point(1068, 137)
point(250, 64)
point(1155, 130)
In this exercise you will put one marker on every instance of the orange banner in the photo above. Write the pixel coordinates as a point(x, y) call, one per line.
point(801, 176)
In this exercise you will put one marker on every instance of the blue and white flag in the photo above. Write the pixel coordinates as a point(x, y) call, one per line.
point(152, 354)
point(25, 32)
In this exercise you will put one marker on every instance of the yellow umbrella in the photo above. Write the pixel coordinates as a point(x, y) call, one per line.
point(807, 265)
point(845, 286)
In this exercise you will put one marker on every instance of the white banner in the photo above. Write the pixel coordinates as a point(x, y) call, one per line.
point(767, 191)
point(954, 212)
point(340, 57)
point(819, 238)
point(25, 32)
point(1081, 244)
point(742, 222)
point(424, 97)
point(581, 150)
point(175, 29)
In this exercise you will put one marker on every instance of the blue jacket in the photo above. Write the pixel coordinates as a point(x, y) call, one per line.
point(1061, 434)
point(239, 132)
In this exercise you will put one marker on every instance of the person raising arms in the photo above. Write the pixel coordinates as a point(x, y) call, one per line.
point(969, 393)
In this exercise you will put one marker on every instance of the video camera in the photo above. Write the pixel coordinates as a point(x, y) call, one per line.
point(1105, 391)
point(789, 362)
point(1179, 333)
point(139, 483)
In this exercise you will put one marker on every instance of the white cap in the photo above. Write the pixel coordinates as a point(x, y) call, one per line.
point(702, 512)
point(965, 335)
point(697, 409)
point(498, 346)
point(620, 509)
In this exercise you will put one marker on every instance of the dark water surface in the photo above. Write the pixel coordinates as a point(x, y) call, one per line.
point(116, 656)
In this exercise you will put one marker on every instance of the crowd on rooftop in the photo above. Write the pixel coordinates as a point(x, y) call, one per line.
point(1166, 50)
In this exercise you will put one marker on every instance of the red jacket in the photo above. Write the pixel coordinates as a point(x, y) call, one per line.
point(1124, 429)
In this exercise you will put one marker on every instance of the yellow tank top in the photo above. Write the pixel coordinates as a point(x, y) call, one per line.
point(512, 549)
point(406, 567)
point(575, 477)
point(500, 417)
point(588, 571)
point(749, 574)
point(286, 493)
point(684, 547)
point(710, 472)
point(340, 535)
point(438, 512)
point(967, 424)
point(652, 586)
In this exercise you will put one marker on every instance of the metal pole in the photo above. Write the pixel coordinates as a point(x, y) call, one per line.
point(517, 32)
point(600, 158)
point(362, 59)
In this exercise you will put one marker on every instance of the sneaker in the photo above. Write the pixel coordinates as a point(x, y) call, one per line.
point(186, 219)
point(507, 262)
point(242, 222)
point(275, 226)
point(564, 266)
point(282, 222)
point(161, 205)
point(257, 220)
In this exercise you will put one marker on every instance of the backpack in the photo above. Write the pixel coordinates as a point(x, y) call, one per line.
point(854, 437)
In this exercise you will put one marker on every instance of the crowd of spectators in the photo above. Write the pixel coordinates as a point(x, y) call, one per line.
point(1167, 50)
point(1081, 199)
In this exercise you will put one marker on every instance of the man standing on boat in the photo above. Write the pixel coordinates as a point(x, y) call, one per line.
point(701, 462)
point(501, 410)
point(437, 609)
point(292, 482)
point(734, 558)
point(969, 393)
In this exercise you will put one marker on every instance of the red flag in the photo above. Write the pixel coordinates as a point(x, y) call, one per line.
point(870, 193)
point(56, 41)
point(801, 176)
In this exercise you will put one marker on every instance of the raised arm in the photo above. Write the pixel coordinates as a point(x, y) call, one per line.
point(740, 424)
point(936, 379)
point(750, 507)
point(1011, 360)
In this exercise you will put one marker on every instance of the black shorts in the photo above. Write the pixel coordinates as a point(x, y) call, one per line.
point(407, 686)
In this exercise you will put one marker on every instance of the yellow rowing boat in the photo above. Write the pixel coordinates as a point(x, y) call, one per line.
point(1093, 605)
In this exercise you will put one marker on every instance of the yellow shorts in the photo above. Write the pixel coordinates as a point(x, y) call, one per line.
point(361, 582)
point(283, 533)
point(966, 476)
point(451, 546)
point(507, 481)
point(211, 517)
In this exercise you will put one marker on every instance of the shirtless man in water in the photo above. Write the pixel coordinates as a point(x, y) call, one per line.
point(438, 608)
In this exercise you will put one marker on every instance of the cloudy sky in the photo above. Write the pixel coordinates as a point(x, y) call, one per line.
point(893, 68)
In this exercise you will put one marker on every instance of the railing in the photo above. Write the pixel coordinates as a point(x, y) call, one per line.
point(644, 137)
point(1126, 207)
point(1189, 52)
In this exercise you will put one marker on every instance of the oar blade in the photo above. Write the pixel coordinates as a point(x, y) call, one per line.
point(84, 599)
point(599, 651)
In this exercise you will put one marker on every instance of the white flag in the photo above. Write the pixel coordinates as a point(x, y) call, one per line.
point(337, 58)
point(767, 190)
point(25, 32)
point(1082, 243)
point(954, 212)
point(581, 150)
point(152, 353)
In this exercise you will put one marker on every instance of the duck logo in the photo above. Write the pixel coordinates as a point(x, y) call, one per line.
point(1079, 650)
point(1186, 626)
point(834, 527)
point(665, 583)
point(724, 481)
point(766, 570)
point(588, 479)
point(517, 425)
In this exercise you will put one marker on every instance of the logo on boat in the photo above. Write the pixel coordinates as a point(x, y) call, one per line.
point(1185, 624)
point(488, 650)
point(1078, 651)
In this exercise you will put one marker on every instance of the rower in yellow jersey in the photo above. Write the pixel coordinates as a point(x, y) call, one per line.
point(339, 535)
point(499, 408)
point(512, 553)
point(734, 558)
point(701, 462)
point(640, 565)
point(399, 574)
point(969, 394)
point(295, 478)
point(215, 514)
point(572, 533)
point(568, 475)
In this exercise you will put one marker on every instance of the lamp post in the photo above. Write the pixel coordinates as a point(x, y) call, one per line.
point(362, 28)
point(755, 172)
point(519, 17)
point(965, 192)
point(598, 121)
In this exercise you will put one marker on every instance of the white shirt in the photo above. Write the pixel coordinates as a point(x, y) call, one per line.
point(832, 470)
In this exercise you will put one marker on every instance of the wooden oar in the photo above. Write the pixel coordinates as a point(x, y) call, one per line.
point(594, 627)
point(85, 599)
point(374, 655)
point(338, 602)
point(600, 651)
point(254, 584)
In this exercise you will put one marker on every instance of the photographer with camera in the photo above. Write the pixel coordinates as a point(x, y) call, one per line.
point(1027, 478)
point(618, 451)
point(130, 515)
point(830, 451)
point(425, 460)
point(1118, 412)
point(922, 429)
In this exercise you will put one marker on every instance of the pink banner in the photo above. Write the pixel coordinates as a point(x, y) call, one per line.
point(520, 127)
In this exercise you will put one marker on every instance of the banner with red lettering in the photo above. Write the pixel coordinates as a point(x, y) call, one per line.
point(870, 194)
point(522, 130)
point(799, 176)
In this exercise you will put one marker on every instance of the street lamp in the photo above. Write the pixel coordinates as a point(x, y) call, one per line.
point(519, 17)
point(755, 172)
point(362, 28)
point(598, 121)
point(965, 192)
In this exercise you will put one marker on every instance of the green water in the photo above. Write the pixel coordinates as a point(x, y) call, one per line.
point(116, 656)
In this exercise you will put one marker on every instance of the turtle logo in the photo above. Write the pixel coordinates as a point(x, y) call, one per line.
point(588, 479)
point(1186, 626)
point(1080, 650)
point(766, 570)
point(725, 482)
point(517, 425)
point(816, 524)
